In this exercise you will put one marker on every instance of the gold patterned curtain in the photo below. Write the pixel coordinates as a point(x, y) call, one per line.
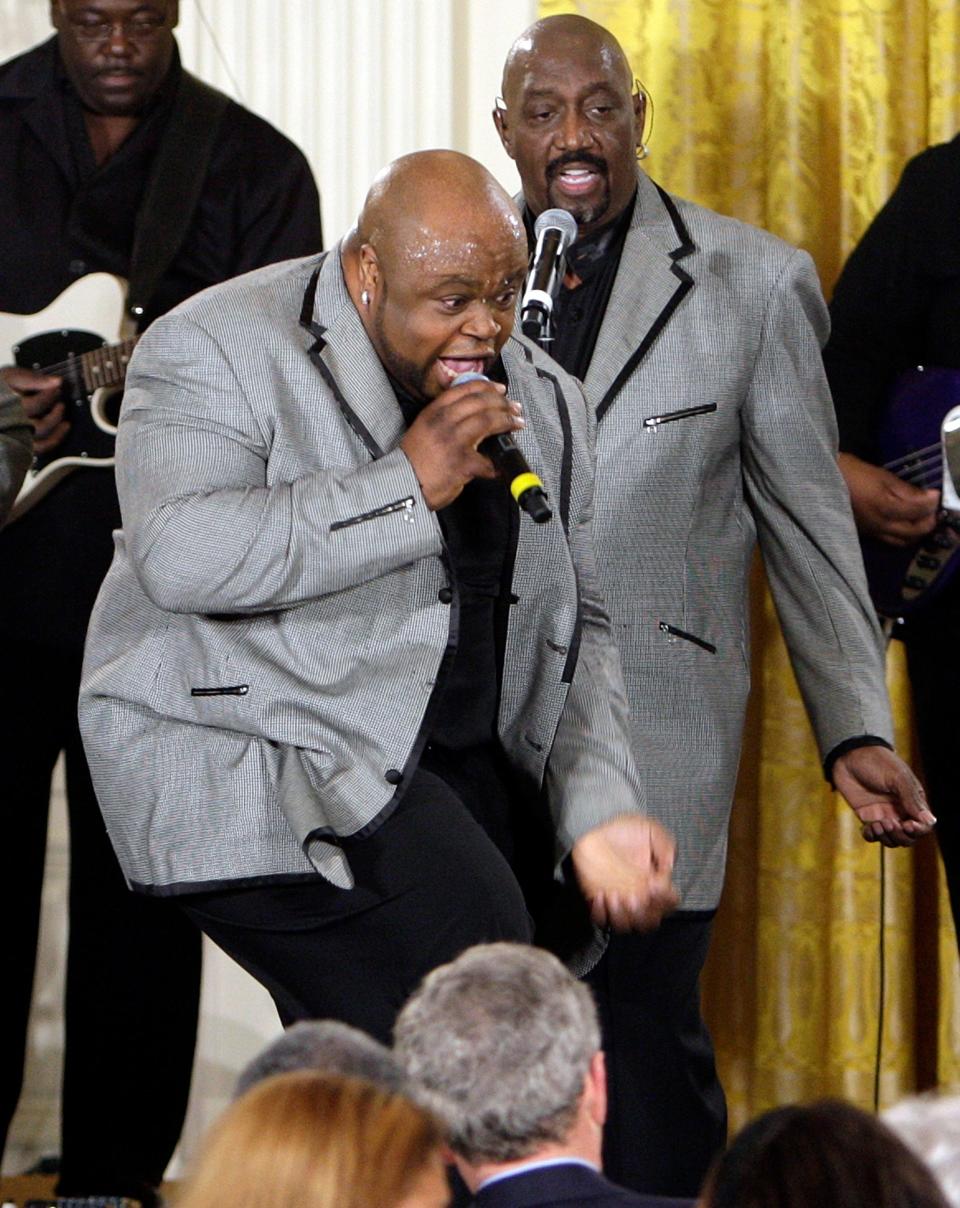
point(798, 115)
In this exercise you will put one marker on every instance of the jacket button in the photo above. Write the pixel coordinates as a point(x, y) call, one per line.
point(392, 776)
point(445, 595)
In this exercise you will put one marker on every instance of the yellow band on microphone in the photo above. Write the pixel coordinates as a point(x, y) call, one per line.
point(523, 482)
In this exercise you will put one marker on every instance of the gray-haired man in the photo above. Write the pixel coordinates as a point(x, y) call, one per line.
point(326, 1045)
point(503, 1044)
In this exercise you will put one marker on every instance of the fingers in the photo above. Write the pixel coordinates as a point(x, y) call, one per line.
point(40, 396)
point(49, 431)
point(886, 506)
point(441, 443)
point(641, 911)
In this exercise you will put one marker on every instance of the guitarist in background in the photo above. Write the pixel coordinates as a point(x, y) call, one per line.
point(16, 446)
point(85, 120)
point(897, 306)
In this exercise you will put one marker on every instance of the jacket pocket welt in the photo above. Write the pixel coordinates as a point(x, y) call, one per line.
point(674, 632)
point(668, 417)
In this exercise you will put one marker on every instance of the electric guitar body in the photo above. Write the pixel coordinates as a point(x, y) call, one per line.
point(919, 441)
point(79, 338)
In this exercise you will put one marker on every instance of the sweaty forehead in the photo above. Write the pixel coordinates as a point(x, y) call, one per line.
point(456, 242)
point(481, 256)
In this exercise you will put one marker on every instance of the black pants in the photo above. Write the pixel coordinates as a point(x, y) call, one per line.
point(133, 964)
point(933, 658)
point(433, 880)
point(667, 1114)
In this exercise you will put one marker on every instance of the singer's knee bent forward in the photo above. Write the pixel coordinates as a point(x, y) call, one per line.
point(429, 883)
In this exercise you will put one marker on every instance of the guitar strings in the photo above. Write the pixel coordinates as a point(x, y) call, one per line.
point(909, 457)
point(73, 361)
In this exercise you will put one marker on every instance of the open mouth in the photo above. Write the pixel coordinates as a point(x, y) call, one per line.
point(576, 180)
point(451, 367)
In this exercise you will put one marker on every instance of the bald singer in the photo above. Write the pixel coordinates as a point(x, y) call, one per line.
point(333, 668)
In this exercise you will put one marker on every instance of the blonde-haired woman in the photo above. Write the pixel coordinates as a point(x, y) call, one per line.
point(309, 1140)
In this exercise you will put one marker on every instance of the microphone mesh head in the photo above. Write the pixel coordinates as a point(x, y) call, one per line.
point(558, 220)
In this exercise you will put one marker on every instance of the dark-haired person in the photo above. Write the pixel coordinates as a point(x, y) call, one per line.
point(827, 1153)
point(85, 119)
point(896, 306)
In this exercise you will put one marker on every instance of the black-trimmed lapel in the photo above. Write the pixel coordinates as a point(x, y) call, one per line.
point(649, 285)
point(344, 356)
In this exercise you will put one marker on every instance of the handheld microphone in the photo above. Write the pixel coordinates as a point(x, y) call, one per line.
point(525, 486)
point(555, 231)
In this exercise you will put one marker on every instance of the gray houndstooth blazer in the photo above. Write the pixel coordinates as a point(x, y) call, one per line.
point(265, 644)
point(716, 430)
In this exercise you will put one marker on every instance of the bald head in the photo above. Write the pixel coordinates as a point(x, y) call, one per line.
point(433, 266)
point(564, 35)
point(429, 198)
point(572, 121)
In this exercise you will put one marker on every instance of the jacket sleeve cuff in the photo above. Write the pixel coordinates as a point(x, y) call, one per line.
point(850, 744)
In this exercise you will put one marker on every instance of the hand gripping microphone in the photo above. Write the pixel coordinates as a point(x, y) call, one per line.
point(555, 231)
point(525, 486)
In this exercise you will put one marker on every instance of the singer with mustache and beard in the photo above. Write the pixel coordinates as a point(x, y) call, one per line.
point(92, 123)
point(698, 342)
point(334, 668)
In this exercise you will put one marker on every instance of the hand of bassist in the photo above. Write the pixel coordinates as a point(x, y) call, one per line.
point(886, 507)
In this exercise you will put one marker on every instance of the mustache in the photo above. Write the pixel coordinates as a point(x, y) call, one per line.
point(556, 166)
point(118, 69)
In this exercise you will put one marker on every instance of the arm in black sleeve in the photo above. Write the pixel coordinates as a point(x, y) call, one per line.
point(878, 308)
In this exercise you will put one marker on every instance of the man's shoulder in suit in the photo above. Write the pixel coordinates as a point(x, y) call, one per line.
point(566, 1184)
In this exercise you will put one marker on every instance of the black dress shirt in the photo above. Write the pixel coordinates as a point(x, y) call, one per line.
point(578, 313)
point(478, 535)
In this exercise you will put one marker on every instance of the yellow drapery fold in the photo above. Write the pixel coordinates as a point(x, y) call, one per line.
point(798, 115)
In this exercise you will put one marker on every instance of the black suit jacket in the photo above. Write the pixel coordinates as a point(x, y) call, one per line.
point(567, 1184)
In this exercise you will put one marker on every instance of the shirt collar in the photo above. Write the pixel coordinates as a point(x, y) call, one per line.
point(589, 252)
point(535, 1164)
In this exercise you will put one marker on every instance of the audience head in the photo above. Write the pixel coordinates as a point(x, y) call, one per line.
point(326, 1045)
point(828, 1153)
point(930, 1126)
point(310, 1140)
point(434, 266)
point(503, 1045)
point(571, 119)
point(117, 52)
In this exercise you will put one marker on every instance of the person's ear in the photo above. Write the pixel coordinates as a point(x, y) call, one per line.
point(596, 1088)
point(368, 269)
point(639, 114)
point(503, 128)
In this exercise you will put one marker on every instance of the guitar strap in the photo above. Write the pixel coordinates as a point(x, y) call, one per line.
point(174, 187)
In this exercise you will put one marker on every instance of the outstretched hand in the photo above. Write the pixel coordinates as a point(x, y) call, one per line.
point(624, 870)
point(884, 794)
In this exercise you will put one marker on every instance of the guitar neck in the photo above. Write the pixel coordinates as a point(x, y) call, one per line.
point(106, 366)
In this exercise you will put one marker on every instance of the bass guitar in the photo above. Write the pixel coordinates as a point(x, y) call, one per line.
point(919, 441)
point(77, 338)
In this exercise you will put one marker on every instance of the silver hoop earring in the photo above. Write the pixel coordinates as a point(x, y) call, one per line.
point(365, 298)
point(642, 151)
